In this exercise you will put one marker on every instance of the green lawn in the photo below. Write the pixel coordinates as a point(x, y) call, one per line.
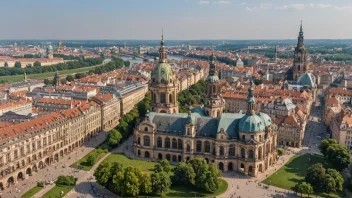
point(83, 161)
point(55, 192)
point(175, 190)
point(18, 78)
point(31, 192)
point(294, 172)
point(144, 165)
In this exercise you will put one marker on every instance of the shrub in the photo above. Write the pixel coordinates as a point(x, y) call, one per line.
point(40, 183)
point(66, 180)
point(281, 151)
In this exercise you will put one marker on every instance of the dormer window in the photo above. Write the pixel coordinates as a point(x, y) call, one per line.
point(146, 129)
point(188, 131)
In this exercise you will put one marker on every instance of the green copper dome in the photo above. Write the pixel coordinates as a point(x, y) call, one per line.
point(212, 79)
point(163, 73)
point(306, 80)
point(50, 49)
point(252, 123)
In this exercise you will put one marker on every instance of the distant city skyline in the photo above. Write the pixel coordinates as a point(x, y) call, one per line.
point(181, 19)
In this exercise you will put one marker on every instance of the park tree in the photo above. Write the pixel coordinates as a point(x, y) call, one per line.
point(166, 165)
point(161, 182)
point(127, 181)
point(348, 183)
point(37, 64)
point(127, 63)
point(28, 65)
point(325, 144)
point(18, 64)
point(46, 81)
point(184, 174)
point(258, 81)
point(6, 64)
point(70, 78)
point(63, 81)
point(281, 151)
point(337, 177)
point(158, 168)
point(114, 137)
point(209, 178)
point(338, 156)
point(91, 158)
point(304, 188)
point(102, 173)
point(329, 184)
point(316, 175)
point(146, 184)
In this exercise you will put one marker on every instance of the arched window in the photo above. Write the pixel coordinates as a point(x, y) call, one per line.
point(299, 67)
point(170, 98)
point(207, 147)
point(179, 144)
point(174, 143)
point(260, 153)
point(243, 153)
point(222, 151)
point(146, 141)
point(167, 142)
point(231, 150)
point(188, 148)
point(146, 129)
point(267, 148)
point(139, 140)
point(162, 98)
point(159, 142)
point(199, 146)
point(250, 154)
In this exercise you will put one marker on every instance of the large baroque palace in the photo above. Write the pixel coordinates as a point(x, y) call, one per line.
point(241, 142)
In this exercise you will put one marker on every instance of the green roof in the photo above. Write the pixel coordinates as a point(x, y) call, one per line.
point(306, 80)
point(252, 123)
point(212, 79)
point(163, 73)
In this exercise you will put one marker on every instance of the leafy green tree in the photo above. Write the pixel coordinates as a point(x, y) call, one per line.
point(46, 81)
point(208, 179)
point(161, 182)
point(6, 64)
point(325, 144)
point(338, 156)
point(304, 188)
point(348, 184)
point(70, 78)
point(17, 64)
point(114, 137)
point(166, 165)
point(329, 184)
point(127, 63)
point(28, 65)
point(63, 81)
point(158, 168)
point(258, 81)
point(184, 173)
point(91, 159)
point(316, 175)
point(146, 184)
point(128, 181)
point(102, 173)
point(337, 177)
point(37, 64)
point(66, 180)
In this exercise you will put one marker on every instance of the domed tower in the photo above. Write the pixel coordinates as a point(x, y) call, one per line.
point(57, 79)
point(49, 51)
point(214, 103)
point(164, 85)
point(300, 65)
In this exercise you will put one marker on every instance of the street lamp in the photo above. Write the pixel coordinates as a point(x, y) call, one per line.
point(61, 193)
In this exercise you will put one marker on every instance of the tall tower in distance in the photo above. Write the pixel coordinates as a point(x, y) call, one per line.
point(214, 103)
point(164, 84)
point(300, 65)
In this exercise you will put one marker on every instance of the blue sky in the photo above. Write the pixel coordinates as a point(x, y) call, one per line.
point(181, 19)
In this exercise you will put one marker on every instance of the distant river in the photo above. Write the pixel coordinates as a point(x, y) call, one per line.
point(139, 60)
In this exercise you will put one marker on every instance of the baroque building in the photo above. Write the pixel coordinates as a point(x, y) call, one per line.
point(164, 85)
point(245, 143)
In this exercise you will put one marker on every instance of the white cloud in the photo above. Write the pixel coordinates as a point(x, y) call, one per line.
point(222, 2)
point(243, 3)
point(348, 8)
point(203, 2)
point(250, 9)
point(265, 6)
point(294, 6)
point(214, 2)
point(324, 5)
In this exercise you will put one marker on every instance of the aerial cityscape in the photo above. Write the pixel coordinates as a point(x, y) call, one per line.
point(175, 98)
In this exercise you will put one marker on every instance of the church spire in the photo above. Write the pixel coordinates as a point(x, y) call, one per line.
point(212, 70)
point(162, 50)
point(251, 99)
point(301, 30)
